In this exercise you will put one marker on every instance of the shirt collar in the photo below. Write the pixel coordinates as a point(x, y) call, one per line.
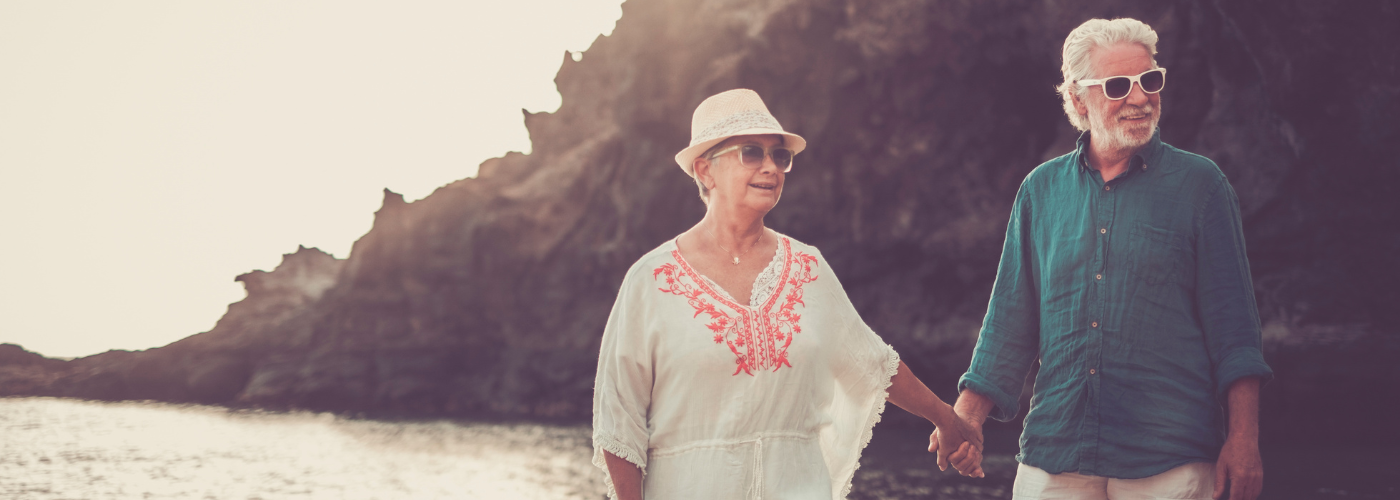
point(1144, 160)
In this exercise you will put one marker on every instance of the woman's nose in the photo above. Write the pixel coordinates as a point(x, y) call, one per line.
point(769, 165)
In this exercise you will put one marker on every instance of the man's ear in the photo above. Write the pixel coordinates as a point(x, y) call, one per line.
point(1079, 106)
point(701, 167)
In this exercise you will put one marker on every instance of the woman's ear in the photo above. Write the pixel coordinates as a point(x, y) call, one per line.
point(701, 167)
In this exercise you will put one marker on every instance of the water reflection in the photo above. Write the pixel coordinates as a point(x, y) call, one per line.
point(55, 448)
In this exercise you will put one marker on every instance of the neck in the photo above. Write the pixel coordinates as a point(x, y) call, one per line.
point(734, 231)
point(1110, 161)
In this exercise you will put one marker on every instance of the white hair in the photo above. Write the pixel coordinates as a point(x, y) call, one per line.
point(1080, 45)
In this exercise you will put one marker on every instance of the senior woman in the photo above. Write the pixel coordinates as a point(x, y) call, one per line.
point(733, 365)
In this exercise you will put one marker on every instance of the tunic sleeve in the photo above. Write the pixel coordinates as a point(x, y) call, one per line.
point(622, 390)
point(862, 386)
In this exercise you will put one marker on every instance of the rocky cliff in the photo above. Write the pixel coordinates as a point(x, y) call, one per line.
point(488, 297)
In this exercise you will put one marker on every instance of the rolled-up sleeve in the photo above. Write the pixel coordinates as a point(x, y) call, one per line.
point(1225, 293)
point(1010, 337)
point(622, 390)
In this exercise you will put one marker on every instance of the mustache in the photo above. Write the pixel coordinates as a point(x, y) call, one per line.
point(1128, 111)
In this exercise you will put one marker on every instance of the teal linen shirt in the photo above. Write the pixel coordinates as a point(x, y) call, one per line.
point(1135, 295)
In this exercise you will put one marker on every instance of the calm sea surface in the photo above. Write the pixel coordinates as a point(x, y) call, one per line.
point(68, 449)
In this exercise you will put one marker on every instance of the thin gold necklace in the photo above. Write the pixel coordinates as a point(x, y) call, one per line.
point(715, 235)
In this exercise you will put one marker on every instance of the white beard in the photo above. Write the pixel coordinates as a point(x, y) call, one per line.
point(1120, 137)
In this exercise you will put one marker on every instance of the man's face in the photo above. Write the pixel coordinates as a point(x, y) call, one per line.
point(1126, 123)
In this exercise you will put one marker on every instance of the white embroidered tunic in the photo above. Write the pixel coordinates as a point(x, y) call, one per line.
point(712, 399)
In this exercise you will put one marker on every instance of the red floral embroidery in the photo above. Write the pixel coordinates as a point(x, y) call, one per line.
point(759, 338)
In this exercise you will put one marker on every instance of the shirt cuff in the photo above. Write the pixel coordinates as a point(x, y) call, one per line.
point(1007, 405)
point(1237, 364)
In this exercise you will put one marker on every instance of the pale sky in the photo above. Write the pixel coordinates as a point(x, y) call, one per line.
point(152, 151)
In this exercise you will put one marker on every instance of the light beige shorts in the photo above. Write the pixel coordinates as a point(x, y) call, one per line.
point(1193, 481)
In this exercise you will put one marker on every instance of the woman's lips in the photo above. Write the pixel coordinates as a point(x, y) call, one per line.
point(762, 185)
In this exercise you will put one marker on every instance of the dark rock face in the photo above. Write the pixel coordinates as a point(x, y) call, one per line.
point(211, 367)
point(488, 297)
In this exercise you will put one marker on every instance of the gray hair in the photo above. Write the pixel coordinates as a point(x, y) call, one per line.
point(704, 191)
point(1080, 45)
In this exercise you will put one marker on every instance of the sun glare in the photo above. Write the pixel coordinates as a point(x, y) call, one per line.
point(152, 151)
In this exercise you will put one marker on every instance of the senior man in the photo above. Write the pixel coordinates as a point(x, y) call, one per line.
point(1124, 274)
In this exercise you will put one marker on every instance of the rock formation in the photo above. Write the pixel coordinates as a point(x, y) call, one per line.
point(488, 297)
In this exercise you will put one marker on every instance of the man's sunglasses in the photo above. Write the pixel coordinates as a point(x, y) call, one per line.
point(751, 155)
point(1118, 87)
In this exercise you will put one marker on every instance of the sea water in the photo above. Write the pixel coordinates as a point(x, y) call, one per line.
point(71, 449)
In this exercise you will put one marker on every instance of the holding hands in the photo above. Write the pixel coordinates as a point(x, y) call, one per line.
point(958, 442)
point(961, 441)
point(958, 437)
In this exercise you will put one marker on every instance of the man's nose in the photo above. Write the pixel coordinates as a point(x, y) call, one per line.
point(1136, 96)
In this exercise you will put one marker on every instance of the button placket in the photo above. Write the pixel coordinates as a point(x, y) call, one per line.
point(1103, 210)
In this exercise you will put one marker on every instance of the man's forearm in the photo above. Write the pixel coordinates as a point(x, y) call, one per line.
point(1242, 402)
point(974, 406)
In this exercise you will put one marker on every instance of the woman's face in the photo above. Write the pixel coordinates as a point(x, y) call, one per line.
point(736, 185)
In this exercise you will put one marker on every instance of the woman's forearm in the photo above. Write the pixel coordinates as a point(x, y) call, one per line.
point(626, 477)
point(908, 392)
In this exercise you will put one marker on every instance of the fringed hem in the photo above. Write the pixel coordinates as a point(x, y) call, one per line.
point(607, 443)
point(876, 410)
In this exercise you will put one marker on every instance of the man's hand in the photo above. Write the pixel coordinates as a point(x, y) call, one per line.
point(1241, 467)
point(1239, 464)
point(960, 445)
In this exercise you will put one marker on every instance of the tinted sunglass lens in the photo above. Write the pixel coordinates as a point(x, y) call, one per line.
point(751, 155)
point(1152, 82)
point(782, 157)
point(1117, 87)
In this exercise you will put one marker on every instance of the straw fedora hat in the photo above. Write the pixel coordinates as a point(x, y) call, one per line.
point(727, 114)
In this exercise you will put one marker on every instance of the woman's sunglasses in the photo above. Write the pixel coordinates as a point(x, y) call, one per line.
point(751, 155)
point(1118, 87)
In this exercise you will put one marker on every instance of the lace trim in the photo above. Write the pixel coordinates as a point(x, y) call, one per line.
point(876, 410)
point(763, 286)
point(742, 120)
point(601, 443)
point(767, 281)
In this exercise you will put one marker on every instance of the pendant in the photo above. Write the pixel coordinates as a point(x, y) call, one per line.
point(736, 261)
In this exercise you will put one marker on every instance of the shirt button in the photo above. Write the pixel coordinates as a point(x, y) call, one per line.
point(1144, 166)
point(1098, 276)
point(1108, 188)
point(1094, 324)
point(1103, 230)
point(1091, 371)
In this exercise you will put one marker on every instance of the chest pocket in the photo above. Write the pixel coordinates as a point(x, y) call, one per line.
point(1162, 256)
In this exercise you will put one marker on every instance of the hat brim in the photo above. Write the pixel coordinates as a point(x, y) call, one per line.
point(686, 158)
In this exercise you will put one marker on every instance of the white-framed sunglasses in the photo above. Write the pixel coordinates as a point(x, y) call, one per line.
point(1117, 87)
point(751, 155)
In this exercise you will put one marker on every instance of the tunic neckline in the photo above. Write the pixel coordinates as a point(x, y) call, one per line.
point(763, 285)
